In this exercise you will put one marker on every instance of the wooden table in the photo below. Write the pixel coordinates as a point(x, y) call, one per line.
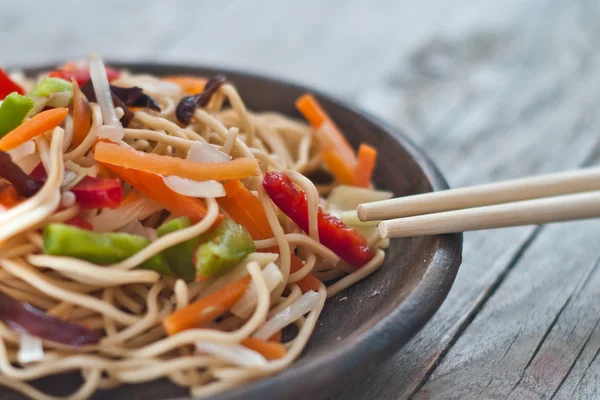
point(491, 89)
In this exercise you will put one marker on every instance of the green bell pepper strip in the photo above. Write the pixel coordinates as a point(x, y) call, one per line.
point(47, 86)
point(13, 111)
point(180, 256)
point(222, 249)
point(101, 248)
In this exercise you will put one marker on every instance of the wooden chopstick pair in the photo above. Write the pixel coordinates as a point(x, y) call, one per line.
point(527, 201)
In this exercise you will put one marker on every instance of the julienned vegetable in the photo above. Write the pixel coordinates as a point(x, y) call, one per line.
point(37, 125)
point(94, 193)
point(13, 111)
point(82, 116)
point(246, 209)
point(367, 156)
point(22, 317)
point(8, 86)
point(343, 241)
point(81, 74)
point(101, 248)
point(336, 152)
point(222, 249)
point(48, 86)
point(187, 105)
point(25, 185)
point(180, 256)
point(207, 308)
point(114, 154)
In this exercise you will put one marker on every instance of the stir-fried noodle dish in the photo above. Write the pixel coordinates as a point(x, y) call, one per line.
point(154, 227)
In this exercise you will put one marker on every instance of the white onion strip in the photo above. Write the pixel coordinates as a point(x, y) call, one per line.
point(23, 150)
point(30, 349)
point(232, 353)
point(306, 303)
point(246, 305)
point(188, 187)
point(204, 152)
point(111, 128)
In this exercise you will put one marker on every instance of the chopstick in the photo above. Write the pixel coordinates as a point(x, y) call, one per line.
point(534, 200)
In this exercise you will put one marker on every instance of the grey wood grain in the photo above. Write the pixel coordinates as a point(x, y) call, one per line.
point(492, 90)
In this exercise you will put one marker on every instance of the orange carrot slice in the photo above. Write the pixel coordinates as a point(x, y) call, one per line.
point(207, 308)
point(114, 154)
point(367, 156)
point(9, 197)
point(269, 350)
point(189, 84)
point(37, 125)
point(339, 155)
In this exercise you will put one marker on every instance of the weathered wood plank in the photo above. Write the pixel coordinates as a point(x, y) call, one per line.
point(506, 110)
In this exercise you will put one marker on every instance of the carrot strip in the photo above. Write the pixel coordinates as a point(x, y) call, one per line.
point(82, 115)
point(207, 308)
point(269, 350)
point(367, 156)
point(189, 84)
point(9, 197)
point(114, 154)
point(37, 125)
point(276, 337)
point(245, 209)
point(153, 186)
point(330, 138)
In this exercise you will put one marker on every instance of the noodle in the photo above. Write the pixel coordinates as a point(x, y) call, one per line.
point(126, 304)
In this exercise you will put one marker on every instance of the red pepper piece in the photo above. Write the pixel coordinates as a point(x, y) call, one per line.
point(98, 193)
point(7, 86)
point(333, 234)
point(81, 75)
point(79, 223)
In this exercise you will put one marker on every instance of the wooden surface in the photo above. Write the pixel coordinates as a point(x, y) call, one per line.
point(491, 89)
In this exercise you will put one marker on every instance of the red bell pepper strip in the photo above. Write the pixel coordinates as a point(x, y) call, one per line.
point(80, 74)
point(79, 223)
point(333, 234)
point(98, 193)
point(8, 86)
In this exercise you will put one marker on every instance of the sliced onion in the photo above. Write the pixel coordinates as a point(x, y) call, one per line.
point(40, 103)
point(204, 152)
point(112, 219)
point(30, 349)
point(67, 199)
point(28, 163)
point(135, 227)
point(300, 307)
point(232, 353)
point(59, 99)
point(112, 128)
point(23, 150)
point(245, 306)
point(188, 187)
point(71, 179)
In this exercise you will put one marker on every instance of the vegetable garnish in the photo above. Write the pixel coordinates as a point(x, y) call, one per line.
point(246, 210)
point(111, 127)
point(23, 183)
point(187, 105)
point(343, 241)
point(191, 85)
point(207, 308)
point(135, 97)
point(180, 256)
point(8, 198)
point(367, 156)
point(152, 185)
point(93, 193)
point(336, 152)
point(82, 116)
point(269, 350)
point(41, 123)
point(8, 86)
point(80, 73)
point(101, 248)
point(48, 86)
point(221, 250)
point(24, 318)
point(13, 111)
point(113, 154)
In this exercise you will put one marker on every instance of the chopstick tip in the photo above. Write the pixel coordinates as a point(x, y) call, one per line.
point(361, 212)
point(383, 230)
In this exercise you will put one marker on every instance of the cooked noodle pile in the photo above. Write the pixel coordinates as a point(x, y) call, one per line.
point(126, 305)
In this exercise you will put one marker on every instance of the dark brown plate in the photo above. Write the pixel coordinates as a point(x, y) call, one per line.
point(371, 320)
